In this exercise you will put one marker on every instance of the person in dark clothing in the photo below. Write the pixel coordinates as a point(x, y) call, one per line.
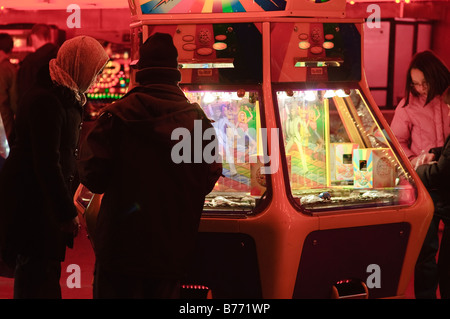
point(436, 178)
point(37, 61)
point(8, 94)
point(38, 219)
point(152, 202)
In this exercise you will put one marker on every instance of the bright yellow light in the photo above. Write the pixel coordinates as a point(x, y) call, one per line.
point(329, 94)
point(328, 45)
point(219, 46)
point(304, 45)
point(341, 93)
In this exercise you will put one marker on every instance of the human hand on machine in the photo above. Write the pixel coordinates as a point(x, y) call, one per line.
point(423, 158)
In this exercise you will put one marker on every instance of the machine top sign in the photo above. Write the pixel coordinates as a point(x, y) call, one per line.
point(305, 8)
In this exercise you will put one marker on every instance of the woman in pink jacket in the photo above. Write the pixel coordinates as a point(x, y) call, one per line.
point(420, 123)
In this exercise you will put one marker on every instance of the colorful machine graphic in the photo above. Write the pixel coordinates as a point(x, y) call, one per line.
point(304, 127)
point(341, 162)
point(211, 6)
point(372, 168)
point(236, 121)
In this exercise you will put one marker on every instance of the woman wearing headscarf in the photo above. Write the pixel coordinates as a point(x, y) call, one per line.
point(38, 217)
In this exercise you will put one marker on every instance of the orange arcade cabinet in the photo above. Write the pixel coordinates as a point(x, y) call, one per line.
point(317, 199)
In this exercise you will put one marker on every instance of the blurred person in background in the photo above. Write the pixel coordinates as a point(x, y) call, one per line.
point(8, 96)
point(34, 65)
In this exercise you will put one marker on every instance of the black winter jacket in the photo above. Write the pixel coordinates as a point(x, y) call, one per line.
point(37, 179)
point(436, 178)
point(151, 207)
point(34, 66)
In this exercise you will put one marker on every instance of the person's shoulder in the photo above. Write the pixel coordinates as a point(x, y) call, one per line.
point(401, 104)
point(48, 50)
point(5, 62)
point(39, 95)
point(27, 59)
point(38, 91)
point(121, 103)
point(7, 67)
point(136, 96)
point(44, 53)
point(39, 102)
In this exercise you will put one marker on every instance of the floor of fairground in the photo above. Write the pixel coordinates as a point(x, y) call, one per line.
point(83, 256)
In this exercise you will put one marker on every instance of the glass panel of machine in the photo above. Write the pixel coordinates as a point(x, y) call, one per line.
point(236, 116)
point(338, 155)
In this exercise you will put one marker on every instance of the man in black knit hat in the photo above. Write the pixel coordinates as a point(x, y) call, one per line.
point(152, 202)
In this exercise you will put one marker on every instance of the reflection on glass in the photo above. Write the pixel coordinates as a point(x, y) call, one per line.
point(236, 121)
point(4, 146)
point(338, 156)
point(303, 127)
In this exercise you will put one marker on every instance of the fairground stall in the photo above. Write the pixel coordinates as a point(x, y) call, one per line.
point(317, 198)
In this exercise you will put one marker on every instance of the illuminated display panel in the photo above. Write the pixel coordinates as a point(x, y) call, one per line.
point(237, 122)
point(112, 85)
point(339, 156)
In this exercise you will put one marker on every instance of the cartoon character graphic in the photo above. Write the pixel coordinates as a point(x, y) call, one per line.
point(296, 132)
point(244, 131)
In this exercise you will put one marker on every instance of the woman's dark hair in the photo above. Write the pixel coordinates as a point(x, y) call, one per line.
point(435, 72)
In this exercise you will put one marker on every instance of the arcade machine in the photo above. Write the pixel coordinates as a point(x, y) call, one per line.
point(317, 199)
point(113, 83)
